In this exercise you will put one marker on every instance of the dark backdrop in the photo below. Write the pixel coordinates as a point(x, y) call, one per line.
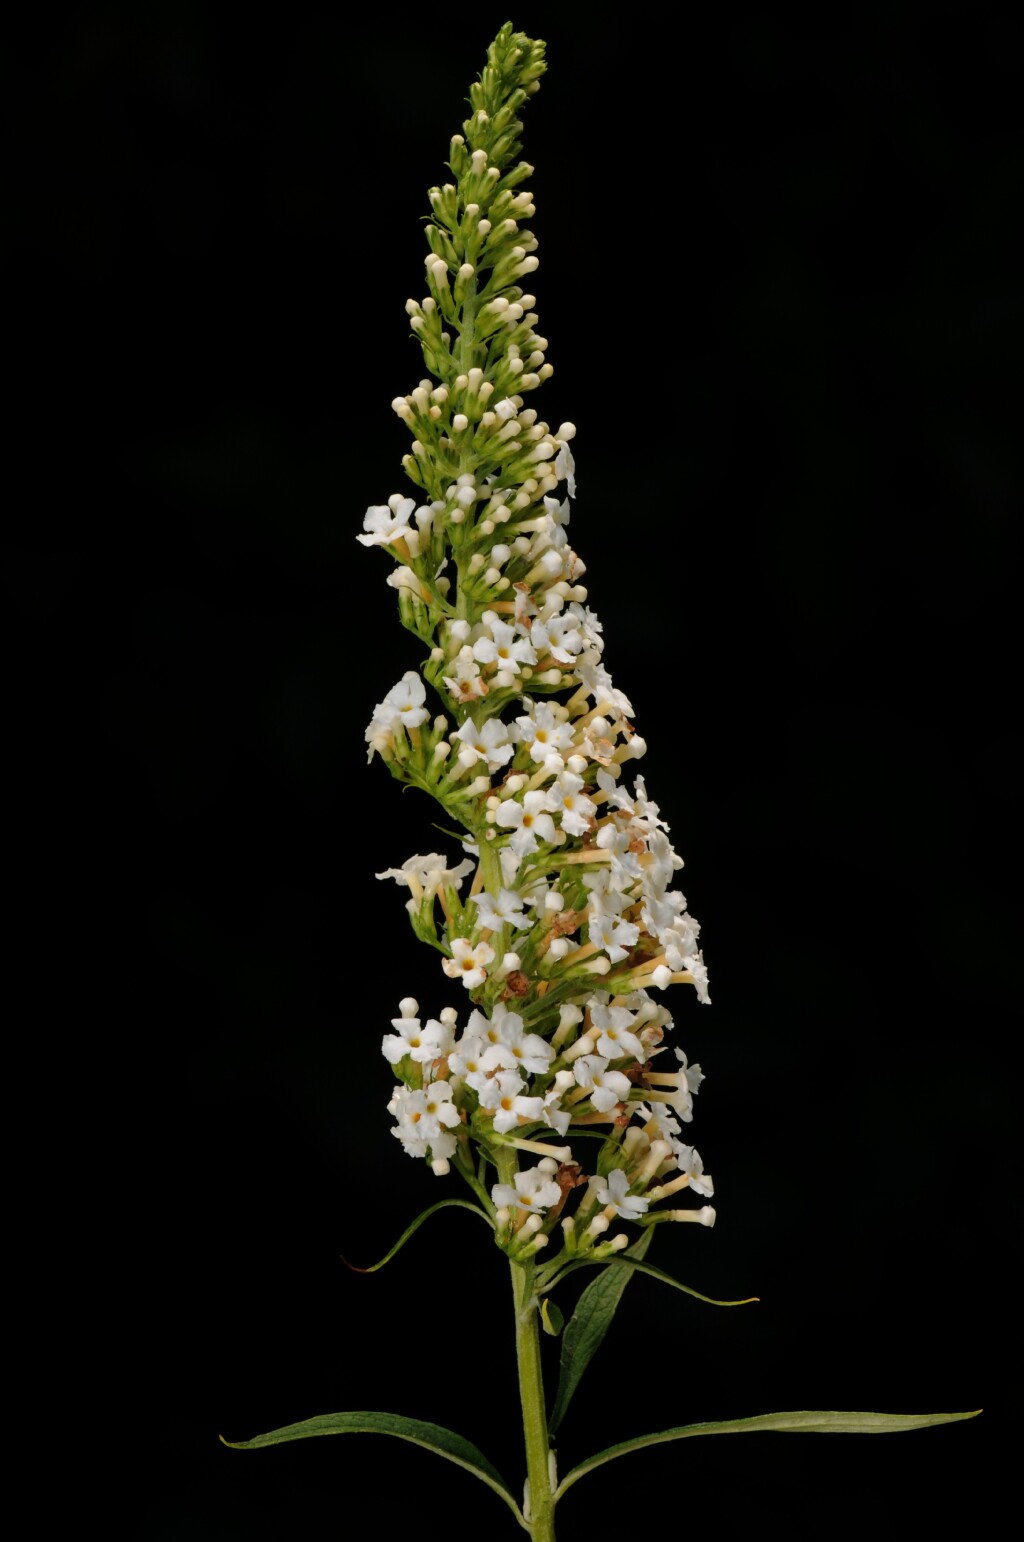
point(780, 279)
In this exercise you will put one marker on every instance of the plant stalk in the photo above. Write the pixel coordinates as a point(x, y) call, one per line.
point(531, 1391)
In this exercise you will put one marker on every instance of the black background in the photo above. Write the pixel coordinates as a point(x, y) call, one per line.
point(782, 286)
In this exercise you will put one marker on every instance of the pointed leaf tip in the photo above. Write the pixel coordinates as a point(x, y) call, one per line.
point(433, 1437)
point(442, 1204)
point(827, 1421)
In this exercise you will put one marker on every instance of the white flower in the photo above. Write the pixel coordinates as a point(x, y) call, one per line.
point(502, 1095)
point(565, 467)
point(402, 707)
point(690, 1164)
point(542, 731)
point(615, 1192)
point(469, 962)
point(613, 935)
point(512, 1048)
point(682, 1084)
point(387, 523)
point(607, 1088)
point(574, 807)
point(466, 682)
point(422, 1045)
point(617, 1038)
point(599, 683)
point(531, 820)
point(425, 875)
point(504, 910)
point(424, 1117)
point(491, 743)
point(698, 969)
point(502, 648)
point(534, 1189)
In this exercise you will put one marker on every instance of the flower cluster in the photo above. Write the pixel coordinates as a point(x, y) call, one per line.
point(570, 926)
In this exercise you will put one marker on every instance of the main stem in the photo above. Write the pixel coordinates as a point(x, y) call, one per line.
point(531, 1390)
point(531, 1376)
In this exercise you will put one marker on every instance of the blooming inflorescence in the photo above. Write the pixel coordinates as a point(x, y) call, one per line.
point(570, 928)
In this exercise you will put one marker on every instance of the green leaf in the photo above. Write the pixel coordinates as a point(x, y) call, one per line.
point(551, 1317)
point(442, 1204)
point(828, 1422)
point(624, 1261)
point(433, 1437)
point(588, 1325)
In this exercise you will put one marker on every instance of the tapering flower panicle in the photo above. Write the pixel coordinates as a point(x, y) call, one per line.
point(569, 929)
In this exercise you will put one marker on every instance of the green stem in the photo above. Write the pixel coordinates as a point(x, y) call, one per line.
point(490, 866)
point(531, 1387)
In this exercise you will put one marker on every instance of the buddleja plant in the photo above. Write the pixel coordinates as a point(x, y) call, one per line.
point(558, 1095)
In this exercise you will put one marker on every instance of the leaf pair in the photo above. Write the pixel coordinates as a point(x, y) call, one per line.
point(433, 1437)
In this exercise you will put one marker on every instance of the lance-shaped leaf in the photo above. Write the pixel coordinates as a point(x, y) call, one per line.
point(588, 1325)
point(442, 1204)
point(624, 1262)
point(433, 1437)
point(817, 1422)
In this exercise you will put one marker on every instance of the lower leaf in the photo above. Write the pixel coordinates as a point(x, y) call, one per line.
point(433, 1437)
point(819, 1422)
